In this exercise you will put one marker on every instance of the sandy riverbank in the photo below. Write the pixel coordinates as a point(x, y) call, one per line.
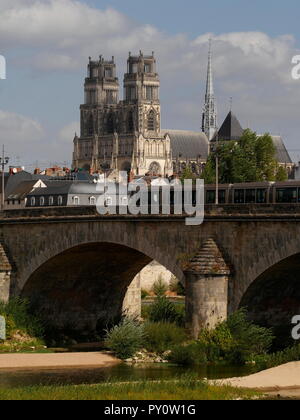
point(56, 360)
point(281, 378)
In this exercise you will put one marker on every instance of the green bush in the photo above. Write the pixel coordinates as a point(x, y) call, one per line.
point(248, 339)
point(188, 355)
point(126, 338)
point(176, 287)
point(18, 317)
point(162, 310)
point(160, 337)
point(267, 361)
point(144, 294)
point(160, 287)
point(236, 340)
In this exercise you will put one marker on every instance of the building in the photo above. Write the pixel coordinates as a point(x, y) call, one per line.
point(126, 135)
point(231, 130)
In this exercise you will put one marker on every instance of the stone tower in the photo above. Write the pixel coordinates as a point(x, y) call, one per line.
point(209, 117)
point(123, 135)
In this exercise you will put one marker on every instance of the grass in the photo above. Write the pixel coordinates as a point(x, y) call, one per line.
point(186, 389)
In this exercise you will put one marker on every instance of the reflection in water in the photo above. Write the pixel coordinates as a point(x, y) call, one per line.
point(120, 372)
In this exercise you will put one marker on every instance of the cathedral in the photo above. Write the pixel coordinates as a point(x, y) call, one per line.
point(127, 136)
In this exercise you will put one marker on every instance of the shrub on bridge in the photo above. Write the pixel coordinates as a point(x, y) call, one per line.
point(162, 336)
point(126, 338)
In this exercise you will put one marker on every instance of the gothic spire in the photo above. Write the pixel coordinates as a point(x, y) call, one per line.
point(209, 118)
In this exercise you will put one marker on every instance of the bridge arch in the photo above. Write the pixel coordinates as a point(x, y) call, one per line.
point(83, 287)
point(273, 299)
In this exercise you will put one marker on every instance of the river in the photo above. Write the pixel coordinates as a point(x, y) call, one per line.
point(122, 372)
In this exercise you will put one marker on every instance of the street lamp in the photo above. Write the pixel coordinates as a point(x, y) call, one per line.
point(3, 162)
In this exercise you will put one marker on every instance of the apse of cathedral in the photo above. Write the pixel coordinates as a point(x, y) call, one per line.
point(126, 135)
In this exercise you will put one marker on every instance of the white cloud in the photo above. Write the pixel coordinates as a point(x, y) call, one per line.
point(67, 133)
point(16, 128)
point(255, 68)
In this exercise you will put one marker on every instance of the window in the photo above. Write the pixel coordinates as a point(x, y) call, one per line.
point(110, 124)
point(148, 68)
point(250, 196)
point(92, 201)
point(60, 200)
point(42, 201)
point(90, 127)
point(151, 121)
point(131, 93)
point(108, 72)
point(109, 97)
point(149, 93)
point(239, 196)
point(76, 201)
point(32, 201)
point(261, 196)
point(130, 122)
point(109, 201)
point(51, 201)
point(286, 195)
point(134, 68)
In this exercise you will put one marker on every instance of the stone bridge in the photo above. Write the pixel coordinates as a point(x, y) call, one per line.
point(76, 266)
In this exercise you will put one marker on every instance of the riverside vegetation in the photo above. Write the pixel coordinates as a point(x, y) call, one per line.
point(184, 388)
point(236, 341)
point(24, 332)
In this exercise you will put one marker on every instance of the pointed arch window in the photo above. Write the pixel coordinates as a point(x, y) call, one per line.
point(110, 123)
point(151, 121)
point(130, 122)
point(90, 126)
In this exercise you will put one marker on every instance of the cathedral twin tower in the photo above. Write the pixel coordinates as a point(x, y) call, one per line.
point(122, 135)
point(126, 135)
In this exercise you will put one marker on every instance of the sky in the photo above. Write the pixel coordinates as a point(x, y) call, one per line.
point(47, 43)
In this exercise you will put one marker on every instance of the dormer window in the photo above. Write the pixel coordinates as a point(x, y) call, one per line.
point(32, 201)
point(76, 201)
point(42, 201)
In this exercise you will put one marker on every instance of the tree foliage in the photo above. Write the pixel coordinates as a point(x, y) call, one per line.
point(251, 159)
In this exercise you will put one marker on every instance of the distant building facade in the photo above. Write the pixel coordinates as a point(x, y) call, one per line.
point(126, 135)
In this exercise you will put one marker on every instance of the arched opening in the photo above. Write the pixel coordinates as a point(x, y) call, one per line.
point(155, 169)
point(151, 121)
point(130, 122)
point(90, 126)
point(110, 123)
point(81, 291)
point(273, 299)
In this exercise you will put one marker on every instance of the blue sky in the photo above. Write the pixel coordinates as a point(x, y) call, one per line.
point(47, 44)
point(274, 17)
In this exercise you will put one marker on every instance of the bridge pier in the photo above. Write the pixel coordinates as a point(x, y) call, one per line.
point(206, 289)
point(132, 304)
point(5, 275)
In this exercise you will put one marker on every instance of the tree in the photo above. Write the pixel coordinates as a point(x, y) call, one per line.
point(251, 159)
point(281, 174)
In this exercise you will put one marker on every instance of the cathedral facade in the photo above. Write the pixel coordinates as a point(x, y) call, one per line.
point(126, 135)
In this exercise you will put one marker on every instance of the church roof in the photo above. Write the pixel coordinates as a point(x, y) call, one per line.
point(282, 155)
point(188, 144)
point(231, 128)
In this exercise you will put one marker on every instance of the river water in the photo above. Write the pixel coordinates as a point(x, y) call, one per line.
point(122, 372)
